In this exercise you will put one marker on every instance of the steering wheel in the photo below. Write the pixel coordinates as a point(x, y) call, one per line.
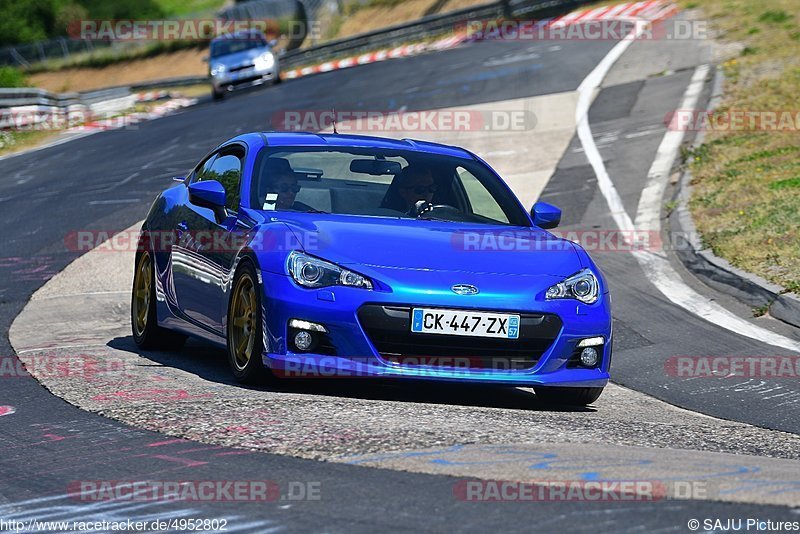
point(422, 207)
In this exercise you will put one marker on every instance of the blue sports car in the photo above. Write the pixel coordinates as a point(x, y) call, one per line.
point(352, 256)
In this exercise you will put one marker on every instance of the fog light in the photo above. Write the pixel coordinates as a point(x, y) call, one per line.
point(589, 357)
point(303, 340)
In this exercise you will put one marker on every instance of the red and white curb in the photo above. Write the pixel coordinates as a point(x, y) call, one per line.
point(131, 119)
point(651, 10)
point(373, 57)
point(7, 410)
point(152, 96)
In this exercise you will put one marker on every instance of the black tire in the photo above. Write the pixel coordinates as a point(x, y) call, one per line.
point(277, 80)
point(250, 371)
point(144, 323)
point(568, 396)
point(217, 95)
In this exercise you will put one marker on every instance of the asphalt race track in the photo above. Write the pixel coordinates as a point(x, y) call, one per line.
point(392, 453)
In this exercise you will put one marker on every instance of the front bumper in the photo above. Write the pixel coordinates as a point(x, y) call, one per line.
point(350, 348)
point(245, 78)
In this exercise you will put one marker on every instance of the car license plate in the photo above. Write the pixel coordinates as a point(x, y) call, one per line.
point(464, 323)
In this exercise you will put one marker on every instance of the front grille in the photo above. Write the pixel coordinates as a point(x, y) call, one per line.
point(241, 67)
point(389, 330)
point(242, 81)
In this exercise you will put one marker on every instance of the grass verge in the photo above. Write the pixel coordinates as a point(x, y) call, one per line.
point(746, 181)
point(17, 141)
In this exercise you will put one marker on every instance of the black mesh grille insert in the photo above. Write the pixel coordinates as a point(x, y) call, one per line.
point(241, 67)
point(389, 330)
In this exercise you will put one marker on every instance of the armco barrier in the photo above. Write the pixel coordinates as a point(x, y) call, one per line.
point(427, 27)
point(109, 100)
point(102, 101)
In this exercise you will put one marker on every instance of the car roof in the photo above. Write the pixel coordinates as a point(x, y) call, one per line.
point(308, 139)
point(241, 34)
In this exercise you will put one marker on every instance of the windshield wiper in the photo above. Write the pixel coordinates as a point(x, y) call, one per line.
point(431, 218)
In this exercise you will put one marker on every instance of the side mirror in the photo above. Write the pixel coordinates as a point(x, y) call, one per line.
point(545, 215)
point(208, 194)
point(273, 43)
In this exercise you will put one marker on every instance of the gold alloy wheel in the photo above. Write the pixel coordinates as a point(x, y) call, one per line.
point(243, 326)
point(141, 293)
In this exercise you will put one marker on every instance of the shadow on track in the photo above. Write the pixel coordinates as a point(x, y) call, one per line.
point(210, 363)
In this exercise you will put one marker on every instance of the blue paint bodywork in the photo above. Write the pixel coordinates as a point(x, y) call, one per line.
point(411, 262)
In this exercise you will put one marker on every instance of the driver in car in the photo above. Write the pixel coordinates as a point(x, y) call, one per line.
point(414, 183)
point(282, 187)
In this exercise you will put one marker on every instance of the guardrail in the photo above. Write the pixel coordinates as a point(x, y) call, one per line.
point(31, 96)
point(427, 27)
point(40, 100)
point(392, 36)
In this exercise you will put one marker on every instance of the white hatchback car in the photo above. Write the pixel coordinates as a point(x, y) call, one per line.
point(241, 59)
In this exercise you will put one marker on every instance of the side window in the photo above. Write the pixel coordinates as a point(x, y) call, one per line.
point(481, 200)
point(226, 168)
point(202, 173)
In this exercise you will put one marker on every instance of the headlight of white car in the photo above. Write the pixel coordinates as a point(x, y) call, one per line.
point(582, 286)
point(309, 271)
point(217, 69)
point(265, 60)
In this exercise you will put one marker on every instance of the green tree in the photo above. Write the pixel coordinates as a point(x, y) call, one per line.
point(11, 77)
point(27, 21)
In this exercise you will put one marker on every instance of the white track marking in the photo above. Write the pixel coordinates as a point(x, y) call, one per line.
point(656, 267)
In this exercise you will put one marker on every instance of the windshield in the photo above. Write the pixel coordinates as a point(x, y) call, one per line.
point(380, 182)
point(223, 47)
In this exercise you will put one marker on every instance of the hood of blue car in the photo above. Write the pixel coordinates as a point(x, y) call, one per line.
point(433, 245)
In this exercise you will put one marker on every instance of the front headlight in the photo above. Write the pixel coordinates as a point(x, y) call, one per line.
point(265, 60)
point(314, 272)
point(217, 69)
point(582, 286)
